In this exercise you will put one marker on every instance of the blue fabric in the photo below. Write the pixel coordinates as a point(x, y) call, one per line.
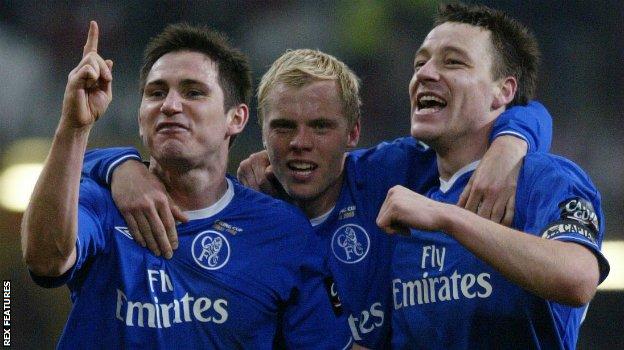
point(245, 277)
point(357, 252)
point(531, 123)
point(447, 298)
point(99, 166)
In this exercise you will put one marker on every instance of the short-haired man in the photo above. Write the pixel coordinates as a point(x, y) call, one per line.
point(247, 269)
point(460, 281)
point(309, 110)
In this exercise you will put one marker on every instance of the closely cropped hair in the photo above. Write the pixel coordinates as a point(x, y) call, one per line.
point(297, 68)
point(232, 65)
point(517, 52)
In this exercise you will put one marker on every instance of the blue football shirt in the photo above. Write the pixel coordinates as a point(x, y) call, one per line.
point(444, 297)
point(357, 252)
point(247, 274)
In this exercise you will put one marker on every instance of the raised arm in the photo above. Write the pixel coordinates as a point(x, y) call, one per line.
point(490, 193)
point(49, 226)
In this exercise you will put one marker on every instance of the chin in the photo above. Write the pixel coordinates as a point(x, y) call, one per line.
point(172, 156)
point(302, 192)
point(423, 133)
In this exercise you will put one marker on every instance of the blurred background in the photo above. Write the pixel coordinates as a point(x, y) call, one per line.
point(581, 83)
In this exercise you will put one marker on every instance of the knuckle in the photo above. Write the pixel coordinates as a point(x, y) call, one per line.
point(160, 198)
point(140, 207)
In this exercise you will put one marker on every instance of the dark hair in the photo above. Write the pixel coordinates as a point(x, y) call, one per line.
point(232, 65)
point(516, 50)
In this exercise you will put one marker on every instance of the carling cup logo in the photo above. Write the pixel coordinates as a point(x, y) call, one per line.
point(350, 243)
point(211, 250)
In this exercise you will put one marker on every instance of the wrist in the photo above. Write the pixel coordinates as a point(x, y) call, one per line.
point(72, 135)
point(128, 168)
point(68, 129)
point(511, 144)
point(447, 217)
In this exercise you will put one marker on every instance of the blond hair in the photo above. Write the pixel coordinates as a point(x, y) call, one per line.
point(296, 68)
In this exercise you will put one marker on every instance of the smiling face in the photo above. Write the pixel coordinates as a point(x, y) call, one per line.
point(182, 118)
point(306, 135)
point(452, 89)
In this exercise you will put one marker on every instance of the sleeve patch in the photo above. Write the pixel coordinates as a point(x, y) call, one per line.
point(581, 211)
point(565, 227)
point(334, 298)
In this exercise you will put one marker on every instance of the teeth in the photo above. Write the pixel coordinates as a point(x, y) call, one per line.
point(430, 98)
point(301, 166)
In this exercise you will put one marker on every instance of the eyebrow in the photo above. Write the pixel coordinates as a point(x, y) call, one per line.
point(445, 49)
point(183, 83)
point(285, 122)
point(280, 123)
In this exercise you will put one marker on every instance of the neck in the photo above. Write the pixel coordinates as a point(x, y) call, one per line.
point(458, 152)
point(193, 187)
point(314, 208)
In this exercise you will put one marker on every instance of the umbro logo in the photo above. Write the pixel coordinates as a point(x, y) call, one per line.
point(124, 230)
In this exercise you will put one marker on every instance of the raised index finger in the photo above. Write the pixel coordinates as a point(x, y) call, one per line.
point(92, 39)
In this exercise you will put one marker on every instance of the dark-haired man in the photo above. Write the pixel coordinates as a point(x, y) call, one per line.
point(247, 269)
point(309, 108)
point(460, 281)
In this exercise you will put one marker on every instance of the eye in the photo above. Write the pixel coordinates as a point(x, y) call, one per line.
point(419, 63)
point(282, 126)
point(322, 125)
point(454, 62)
point(282, 129)
point(194, 93)
point(155, 94)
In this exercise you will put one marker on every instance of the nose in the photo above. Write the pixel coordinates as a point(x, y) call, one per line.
point(172, 103)
point(302, 139)
point(428, 71)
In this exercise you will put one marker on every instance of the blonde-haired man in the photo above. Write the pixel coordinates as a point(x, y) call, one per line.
point(309, 109)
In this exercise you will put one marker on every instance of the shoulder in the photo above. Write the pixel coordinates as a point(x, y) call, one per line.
point(552, 187)
point(550, 169)
point(405, 161)
point(257, 204)
point(400, 147)
point(91, 192)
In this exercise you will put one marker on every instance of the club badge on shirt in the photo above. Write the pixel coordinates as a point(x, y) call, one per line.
point(211, 250)
point(350, 243)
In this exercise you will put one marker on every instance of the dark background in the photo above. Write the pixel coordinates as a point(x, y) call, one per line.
point(581, 83)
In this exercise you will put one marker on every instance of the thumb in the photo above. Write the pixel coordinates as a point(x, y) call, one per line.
point(178, 214)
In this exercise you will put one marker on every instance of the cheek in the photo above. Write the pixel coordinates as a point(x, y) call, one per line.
point(412, 86)
point(332, 151)
point(275, 147)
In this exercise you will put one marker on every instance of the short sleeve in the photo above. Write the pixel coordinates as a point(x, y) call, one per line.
point(562, 204)
point(99, 164)
point(531, 123)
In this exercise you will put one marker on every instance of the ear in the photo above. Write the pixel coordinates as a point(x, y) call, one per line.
point(504, 92)
point(237, 118)
point(354, 135)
